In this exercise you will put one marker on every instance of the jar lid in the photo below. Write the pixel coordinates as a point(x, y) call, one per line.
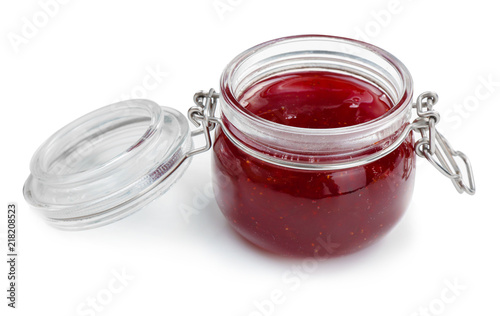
point(108, 164)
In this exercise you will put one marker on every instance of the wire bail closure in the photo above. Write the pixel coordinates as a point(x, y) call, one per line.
point(432, 145)
point(435, 147)
point(202, 115)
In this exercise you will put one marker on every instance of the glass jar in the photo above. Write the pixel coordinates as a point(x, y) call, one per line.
point(291, 190)
point(273, 192)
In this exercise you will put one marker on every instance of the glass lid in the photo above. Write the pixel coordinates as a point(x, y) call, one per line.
point(108, 164)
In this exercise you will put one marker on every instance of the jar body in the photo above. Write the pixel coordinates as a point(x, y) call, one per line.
point(307, 213)
point(266, 175)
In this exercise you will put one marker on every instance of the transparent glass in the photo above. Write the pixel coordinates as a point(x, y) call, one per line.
point(274, 199)
point(108, 164)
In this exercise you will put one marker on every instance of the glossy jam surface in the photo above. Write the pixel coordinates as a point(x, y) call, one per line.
point(315, 100)
point(310, 213)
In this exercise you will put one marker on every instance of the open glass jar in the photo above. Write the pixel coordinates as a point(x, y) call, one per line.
point(288, 189)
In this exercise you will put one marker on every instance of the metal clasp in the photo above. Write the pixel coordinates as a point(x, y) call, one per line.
point(202, 115)
point(435, 147)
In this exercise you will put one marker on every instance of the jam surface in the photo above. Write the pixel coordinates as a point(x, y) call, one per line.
point(315, 100)
point(310, 213)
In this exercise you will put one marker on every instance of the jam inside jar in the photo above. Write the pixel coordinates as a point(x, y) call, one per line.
point(292, 157)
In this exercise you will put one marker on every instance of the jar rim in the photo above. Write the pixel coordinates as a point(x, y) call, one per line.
point(402, 104)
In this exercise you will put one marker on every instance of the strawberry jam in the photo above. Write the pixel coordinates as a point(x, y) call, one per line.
point(315, 100)
point(307, 212)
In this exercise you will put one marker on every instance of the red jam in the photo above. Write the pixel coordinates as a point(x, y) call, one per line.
point(315, 100)
point(310, 213)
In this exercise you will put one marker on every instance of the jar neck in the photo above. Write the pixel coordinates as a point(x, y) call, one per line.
point(316, 53)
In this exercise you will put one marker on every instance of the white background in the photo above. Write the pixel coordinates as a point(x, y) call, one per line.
point(90, 53)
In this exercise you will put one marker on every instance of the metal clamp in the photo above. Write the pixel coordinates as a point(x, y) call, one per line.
point(435, 147)
point(203, 115)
